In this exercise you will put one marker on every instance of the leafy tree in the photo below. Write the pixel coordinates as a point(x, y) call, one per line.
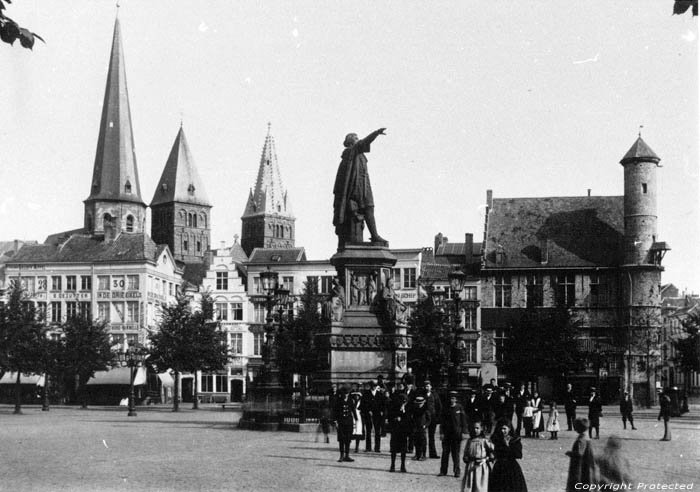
point(688, 345)
point(543, 343)
point(432, 338)
point(22, 340)
point(297, 347)
point(86, 350)
point(187, 341)
point(10, 31)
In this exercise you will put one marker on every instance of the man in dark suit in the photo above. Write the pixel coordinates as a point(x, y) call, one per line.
point(344, 415)
point(453, 429)
point(488, 403)
point(595, 410)
point(570, 406)
point(434, 406)
point(626, 409)
point(472, 407)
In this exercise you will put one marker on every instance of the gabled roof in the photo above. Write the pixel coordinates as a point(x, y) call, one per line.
point(180, 180)
point(9, 248)
point(458, 249)
point(274, 255)
point(115, 171)
point(555, 232)
point(81, 248)
point(640, 151)
point(270, 195)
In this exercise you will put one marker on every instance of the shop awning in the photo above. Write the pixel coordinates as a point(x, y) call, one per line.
point(166, 379)
point(119, 375)
point(11, 378)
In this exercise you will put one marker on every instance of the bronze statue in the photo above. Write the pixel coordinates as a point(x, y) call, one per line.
point(353, 202)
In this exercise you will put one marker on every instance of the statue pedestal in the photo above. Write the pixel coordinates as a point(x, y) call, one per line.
point(363, 344)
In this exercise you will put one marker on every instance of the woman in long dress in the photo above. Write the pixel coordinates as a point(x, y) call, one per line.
point(506, 475)
point(537, 421)
point(357, 429)
point(477, 455)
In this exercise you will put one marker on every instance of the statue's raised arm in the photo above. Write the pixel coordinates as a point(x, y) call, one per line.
point(353, 203)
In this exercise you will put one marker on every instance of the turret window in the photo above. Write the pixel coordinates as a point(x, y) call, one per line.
point(644, 188)
point(127, 187)
point(130, 223)
point(190, 189)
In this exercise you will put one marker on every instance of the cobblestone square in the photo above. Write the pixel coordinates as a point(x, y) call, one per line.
point(101, 449)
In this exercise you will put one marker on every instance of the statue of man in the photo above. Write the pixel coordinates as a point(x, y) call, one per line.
point(353, 202)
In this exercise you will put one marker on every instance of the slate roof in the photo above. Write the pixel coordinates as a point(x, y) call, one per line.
point(431, 272)
point(564, 231)
point(180, 180)
point(640, 151)
point(7, 248)
point(274, 255)
point(115, 159)
point(458, 249)
point(82, 248)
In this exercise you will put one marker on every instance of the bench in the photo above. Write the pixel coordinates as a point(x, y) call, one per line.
point(224, 406)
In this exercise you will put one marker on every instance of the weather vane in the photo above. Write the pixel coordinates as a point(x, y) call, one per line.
point(640, 130)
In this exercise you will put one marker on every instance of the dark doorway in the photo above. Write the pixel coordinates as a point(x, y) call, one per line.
point(236, 390)
point(187, 389)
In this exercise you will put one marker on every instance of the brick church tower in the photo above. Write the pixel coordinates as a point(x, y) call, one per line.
point(268, 221)
point(180, 209)
point(114, 204)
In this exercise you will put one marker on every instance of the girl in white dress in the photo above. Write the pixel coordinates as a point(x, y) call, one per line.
point(553, 421)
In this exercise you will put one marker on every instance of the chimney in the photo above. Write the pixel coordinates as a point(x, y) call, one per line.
point(438, 241)
point(468, 247)
point(223, 244)
point(489, 199)
point(589, 192)
point(110, 232)
point(16, 247)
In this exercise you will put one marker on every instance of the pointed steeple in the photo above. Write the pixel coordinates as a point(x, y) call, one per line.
point(268, 221)
point(180, 180)
point(270, 195)
point(640, 151)
point(115, 174)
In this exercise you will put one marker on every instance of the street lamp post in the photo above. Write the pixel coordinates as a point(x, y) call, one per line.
point(131, 357)
point(275, 295)
point(456, 279)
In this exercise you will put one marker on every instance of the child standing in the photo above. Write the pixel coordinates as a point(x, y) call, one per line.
point(553, 421)
point(582, 465)
point(477, 455)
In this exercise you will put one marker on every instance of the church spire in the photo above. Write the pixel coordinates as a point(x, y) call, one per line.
point(268, 220)
point(115, 204)
point(115, 174)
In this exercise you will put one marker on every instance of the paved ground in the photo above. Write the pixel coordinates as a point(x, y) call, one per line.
point(101, 449)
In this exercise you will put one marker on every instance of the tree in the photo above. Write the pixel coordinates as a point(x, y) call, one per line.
point(87, 349)
point(297, 348)
point(187, 341)
point(22, 338)
point(10, 31)
point(432, 340)
point(688, 345)
point(543, 343)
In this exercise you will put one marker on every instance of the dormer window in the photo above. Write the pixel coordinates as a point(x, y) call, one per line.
point(164, 187)
point(190, 189)
point(127, 187)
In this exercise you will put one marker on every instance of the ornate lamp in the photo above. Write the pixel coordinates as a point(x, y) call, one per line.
point(457, 279)
point(269, 281)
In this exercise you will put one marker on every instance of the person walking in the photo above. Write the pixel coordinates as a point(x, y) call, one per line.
point(553, 421)
point(400, 427)
point(570, 406)
point(665, 413)
point(582, 465)
point(344, 415)
point(595, 410)
point(506, 474)
point(453, 429)
point(626, 410)
point(421, 421)
point(477, 454)
point(434, 405)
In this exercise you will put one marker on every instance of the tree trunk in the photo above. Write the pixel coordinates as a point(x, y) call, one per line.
point(18, 395)
point(302, 401)
point(82, 391)
point(176, 393)
point(195, 403)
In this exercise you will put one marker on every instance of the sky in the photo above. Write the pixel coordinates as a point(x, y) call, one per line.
point(528, 99)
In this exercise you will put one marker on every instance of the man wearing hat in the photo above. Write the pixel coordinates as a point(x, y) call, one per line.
point(488, 404)
point(453, 429)
point(344, 415)
point(421, 421)
point(626, 410)
point(595, 410)
point(434, 405)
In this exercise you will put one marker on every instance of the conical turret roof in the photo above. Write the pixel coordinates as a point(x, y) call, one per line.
point(270, 195)
point(115, 174)
point(640, 151)
point(180, 180)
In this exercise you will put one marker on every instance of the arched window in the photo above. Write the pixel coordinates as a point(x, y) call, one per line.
point(130, 223)
point(127, 187)
point(106, 220)
point(184, 242)
point(194, 220)
point(190, 189)
point(199, 246)
point(189, 220)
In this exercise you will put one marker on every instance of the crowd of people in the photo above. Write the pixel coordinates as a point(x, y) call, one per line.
point(416, 417)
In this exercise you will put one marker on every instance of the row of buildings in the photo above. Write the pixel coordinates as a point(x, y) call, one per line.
point(598, 255)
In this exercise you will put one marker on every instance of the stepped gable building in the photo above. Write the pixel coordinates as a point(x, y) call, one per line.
point(114, 203)
point(181, 211)
point(268, 221)
point(597, 255)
